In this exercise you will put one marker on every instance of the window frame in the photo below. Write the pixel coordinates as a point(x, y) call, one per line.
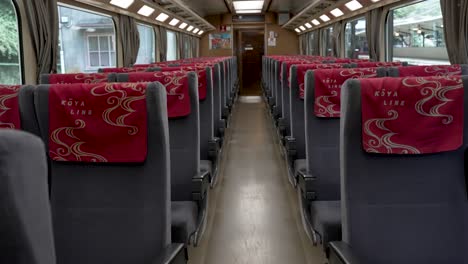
point(99, 12)
point(389, 33)
point(155, 44)
point(345, 23)
point(19, 27)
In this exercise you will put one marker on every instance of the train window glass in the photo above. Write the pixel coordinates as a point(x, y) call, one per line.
point(356, 46)
point(313, 43)
point(416, 34)
point(10, 57)
point(328, 41)
point(171, 46)
point(146, 53)
point(187, 47)
point(86, 41)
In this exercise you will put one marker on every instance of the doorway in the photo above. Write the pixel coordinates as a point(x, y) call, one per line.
point(250, 49)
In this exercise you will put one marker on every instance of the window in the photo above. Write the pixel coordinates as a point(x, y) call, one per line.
point(328, 41)
point(86, 41)
point(356, 46)
point(146, 53)
point(415, 33)
point(10, 57)
point(187, 47)
point(171, 46)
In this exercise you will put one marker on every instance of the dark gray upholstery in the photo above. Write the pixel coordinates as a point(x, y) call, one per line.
point(285, 94)
point(278, 89)
point(401, 208)
point(296, 107)
point(26, 105)
point(326, 220)
point(217, 99)
point(184, 219)
point(25, 218)
point(206, 117)
point(112, 213)
point(394, 71)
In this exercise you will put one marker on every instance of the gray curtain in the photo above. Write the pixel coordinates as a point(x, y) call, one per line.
point(130, 39)
point(303, 42)
point(180, 45)
point(42, 16)
point(315, 43)
point(336, 45)
point(195, 47)
point(162, 43)
point(455, 16)
point(373, 32)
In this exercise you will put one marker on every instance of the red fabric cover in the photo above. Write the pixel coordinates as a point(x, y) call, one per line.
point(302, 70)
point(98, 122)
point(412, 115)
point(200, 71)
point(123, 70)
point(328, 88)
point(377, 64)
point(433, 70)
point(70, 78)
point(176, 83)
point(9, 107)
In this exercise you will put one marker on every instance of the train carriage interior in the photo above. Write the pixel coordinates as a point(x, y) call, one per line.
point(233, 131)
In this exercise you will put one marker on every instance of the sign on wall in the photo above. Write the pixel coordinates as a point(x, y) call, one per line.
point(220, 41)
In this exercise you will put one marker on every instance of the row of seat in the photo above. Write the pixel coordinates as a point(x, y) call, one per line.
point(130, 164)
point(358, 182)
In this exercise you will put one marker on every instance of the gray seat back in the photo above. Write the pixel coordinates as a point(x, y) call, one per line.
point(322, 126)
point(401, 208)
point(217, 98)
point(25, 218)
point(296, 107)
point(110, 212)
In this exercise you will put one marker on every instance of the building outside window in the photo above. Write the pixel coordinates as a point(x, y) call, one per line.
point(356, 46)
point(10, 55)
point(147, 51)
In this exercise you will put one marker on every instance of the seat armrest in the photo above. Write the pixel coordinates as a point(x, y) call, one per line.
point(341, 253)
point(221, 127)
point(172, 254)
point(305, 182)
point(214, 145)
point(290, 145)
point(200, 185)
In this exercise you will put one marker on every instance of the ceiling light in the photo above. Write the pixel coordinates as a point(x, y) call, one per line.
point(195, 31)
point(337, 12)
point(183, 25)
point(190, 28)
point(375, 1)
point(302, 28)
point(297, 30)
point(248, 11)
point(162, 17)
point(308, 25)
point(353, 5)
point(324, 18)
point(174, 22)
point(122, 3)
point(315, 22)
point(146, 11)
point(201, 32)
point(248, 5)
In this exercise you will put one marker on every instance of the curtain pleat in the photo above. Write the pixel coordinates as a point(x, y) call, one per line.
point(455, 17)
point(130, 39)
point(195, 47)
point(373, 32)
point(336, 45)
point(180, 45)
point(303, 44)
point(162, 42)
point(42, 16)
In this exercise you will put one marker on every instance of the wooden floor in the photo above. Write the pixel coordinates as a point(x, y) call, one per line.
point(254, 211)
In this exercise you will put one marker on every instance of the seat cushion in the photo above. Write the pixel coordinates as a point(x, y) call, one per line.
point(184, 220)
point(326, 220)
point(206, 165)
point(300, 165)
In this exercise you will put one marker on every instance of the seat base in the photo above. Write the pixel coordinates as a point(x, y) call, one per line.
point(325, 219)
point(184, 220)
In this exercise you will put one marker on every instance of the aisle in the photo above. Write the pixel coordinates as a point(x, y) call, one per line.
point(254, 215)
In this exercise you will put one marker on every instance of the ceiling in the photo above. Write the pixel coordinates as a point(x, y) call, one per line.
point(207, 7)
point(291, 6)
